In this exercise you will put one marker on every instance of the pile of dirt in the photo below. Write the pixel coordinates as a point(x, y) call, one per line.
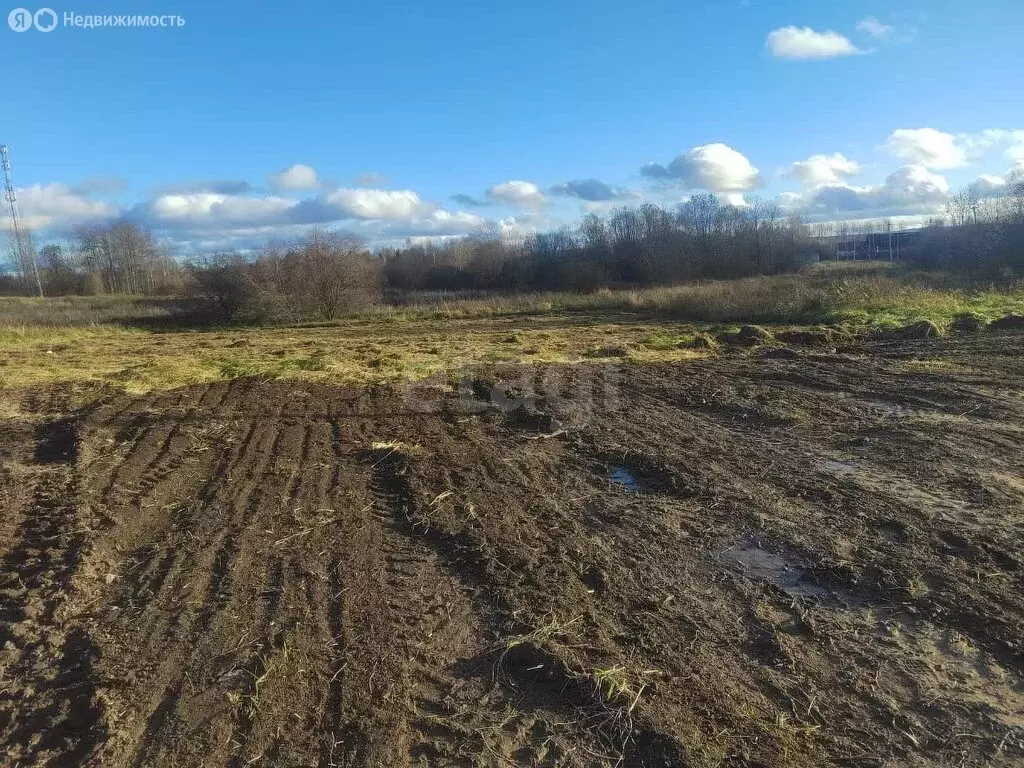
point(745, 561)
point(1008, 323)
point(748, 336)
point(968, 323)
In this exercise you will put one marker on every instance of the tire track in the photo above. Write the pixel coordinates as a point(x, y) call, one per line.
point(189, 538)
point(51, 674)
point(421, 603)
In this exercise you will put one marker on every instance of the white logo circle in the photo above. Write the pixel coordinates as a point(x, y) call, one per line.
point(20, 20)
point(40, 20)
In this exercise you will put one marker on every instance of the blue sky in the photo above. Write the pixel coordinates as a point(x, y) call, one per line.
point(396, 107)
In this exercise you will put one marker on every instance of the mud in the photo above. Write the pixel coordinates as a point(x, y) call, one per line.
point(755, 560)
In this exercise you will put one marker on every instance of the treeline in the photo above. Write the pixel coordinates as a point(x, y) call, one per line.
point(328, 274)
point(645, 245)
point(325, 274)
point(979, 233)
point(116, 258)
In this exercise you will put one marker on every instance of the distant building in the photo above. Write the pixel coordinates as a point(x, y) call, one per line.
point(877, 245)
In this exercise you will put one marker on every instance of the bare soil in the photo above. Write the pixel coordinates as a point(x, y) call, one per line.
point(773, 558)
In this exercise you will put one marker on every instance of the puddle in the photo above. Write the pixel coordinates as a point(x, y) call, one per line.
point(757, 563)
point(623, 476)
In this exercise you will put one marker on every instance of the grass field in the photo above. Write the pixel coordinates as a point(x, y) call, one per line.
point(111, 339)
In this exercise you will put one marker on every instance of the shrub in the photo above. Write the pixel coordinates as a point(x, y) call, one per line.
point(322, 277)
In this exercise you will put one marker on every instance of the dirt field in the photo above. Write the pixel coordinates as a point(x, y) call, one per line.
point(777, 557)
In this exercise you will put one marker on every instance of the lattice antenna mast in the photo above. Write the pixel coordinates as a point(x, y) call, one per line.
point(22, 241)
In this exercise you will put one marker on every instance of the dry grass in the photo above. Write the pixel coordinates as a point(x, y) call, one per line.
point(85, 311)
point(827, 293)
point(392, 344)
point(355, 352)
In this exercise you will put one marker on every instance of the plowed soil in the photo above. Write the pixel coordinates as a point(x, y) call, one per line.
point(773, 558)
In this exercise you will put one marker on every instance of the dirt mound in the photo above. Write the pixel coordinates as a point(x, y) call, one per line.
point(748, 336)
point(922, 329)
point(968, 323)
point(739, 561)
point(700, 341)
point(813, 336)
point(1008, 323)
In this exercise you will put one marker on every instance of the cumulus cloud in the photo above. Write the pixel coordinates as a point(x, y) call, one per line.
point(876, 29)
point(990, 184)
point(591, 190)
point(1013, 140)
point(521, 194)
point(910, 189)
point(716, 167)
point(438, 223)
point(378, 215)
point(212, 208)
point(299, 176)
point(915, 184)
point(216, 186)
point(824, 169)
point(379, 203)
point(59, 206)
point(806, 43)
point(790, 201)
point(928, 147)
point(938, 149)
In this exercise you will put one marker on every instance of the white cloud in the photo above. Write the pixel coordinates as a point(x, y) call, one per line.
point(213, 215)
point(438, 223)
point(806, 43)
point(57, 205)
point(790, 201)
point(523, 194)
point(459, 220)
point(937, 149)
point(716, 167)
point(373, 213)
point(824, 169)
point(915, 184)
point(876, 29)
point(591, 190)
point(928, 147)
point(299, 176)
point(909, 189)
point(379, 203)
point(1015, 152)
point(988, 184)
point(204, 208)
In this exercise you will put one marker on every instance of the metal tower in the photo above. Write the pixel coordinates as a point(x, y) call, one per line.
point(22, 242)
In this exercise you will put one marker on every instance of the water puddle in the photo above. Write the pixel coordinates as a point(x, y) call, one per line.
point(624, 477)
point(758, 563)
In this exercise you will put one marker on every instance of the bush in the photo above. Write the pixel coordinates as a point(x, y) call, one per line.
point(224, 284)
point(322, 277)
